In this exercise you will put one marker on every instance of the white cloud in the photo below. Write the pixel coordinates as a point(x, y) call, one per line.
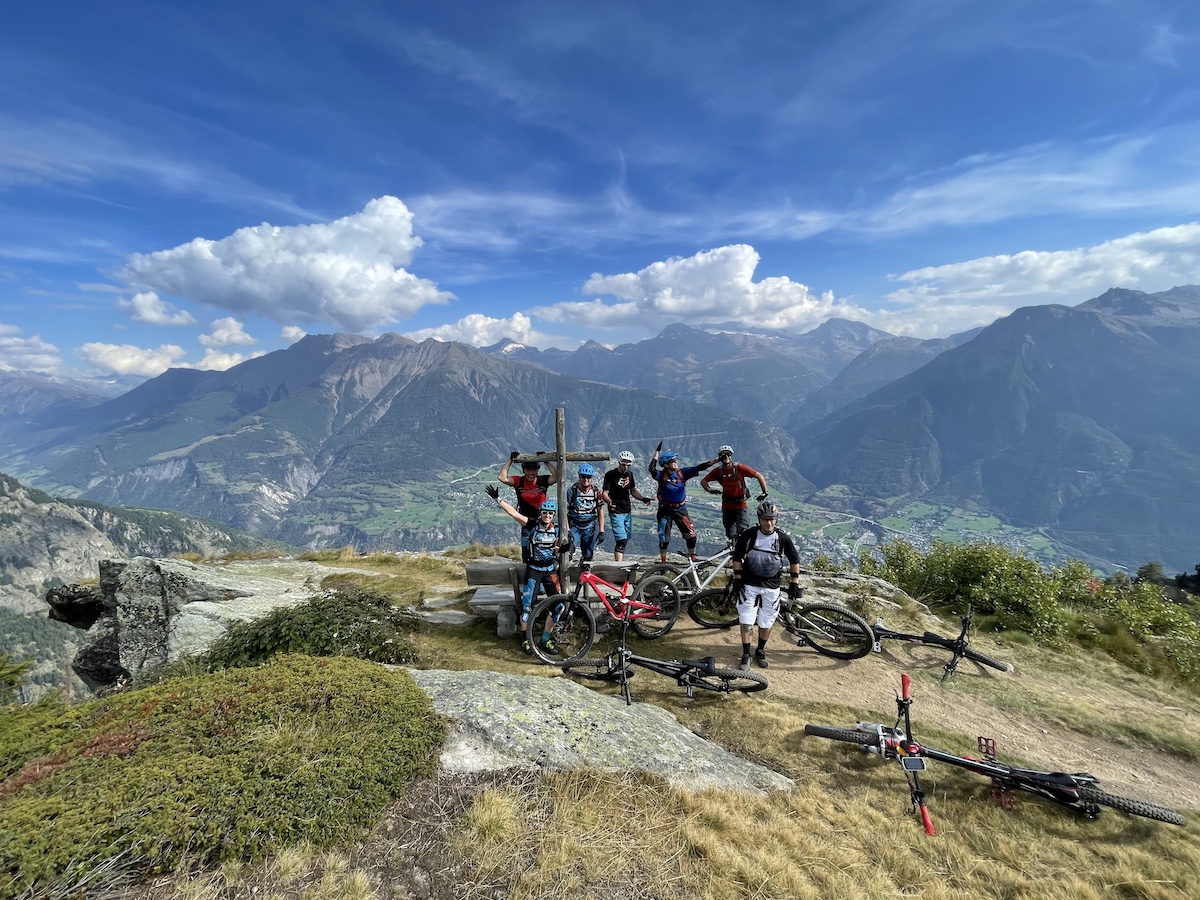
point(226, 332)
point(348, 272)
point(713, 285)
point(126, 359)
point(482, 331)
point(31, 354)
point(148, 307)
point(292, 333)
point(1151, 260)
point(219, 361)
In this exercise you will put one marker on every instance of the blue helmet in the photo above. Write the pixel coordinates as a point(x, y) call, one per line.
point(586, 469)
point(668, 456)
point(549, 505)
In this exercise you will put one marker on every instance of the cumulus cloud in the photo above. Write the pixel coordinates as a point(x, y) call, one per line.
point(482, 331)
point(219, 361)
point(148, 307)
point(227, 332)
point(714, 285)
point(292, 333)
point(26, 354)
point(348, 272)
point(126, 359)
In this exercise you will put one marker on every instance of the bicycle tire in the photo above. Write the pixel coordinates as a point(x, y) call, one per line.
point(832, 630)
point(845, 735)
point(728, 680)
point(573, 632)
point(666, 569)
point(1089, 793)
point(661, 592)
point(596, 670)
point(986, 660)
point(713, 609)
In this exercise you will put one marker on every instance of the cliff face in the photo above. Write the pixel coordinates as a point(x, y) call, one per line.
point(45, 542)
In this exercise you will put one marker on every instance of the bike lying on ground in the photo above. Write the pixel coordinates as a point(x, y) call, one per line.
point(562, 628)
point(826, 627)
point(1078, 790)
point(959, 646)
point(690, 674)
point(838, 632)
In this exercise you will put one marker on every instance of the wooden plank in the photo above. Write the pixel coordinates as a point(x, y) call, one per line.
point(493, 573)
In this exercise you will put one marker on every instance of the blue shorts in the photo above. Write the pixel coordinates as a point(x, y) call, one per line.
point(621, 525)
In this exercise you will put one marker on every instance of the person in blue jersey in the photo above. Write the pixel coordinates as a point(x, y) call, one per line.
point(585, 513)
point(541, 567)
point(672, 498)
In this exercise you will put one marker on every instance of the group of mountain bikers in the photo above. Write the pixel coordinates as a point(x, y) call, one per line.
point(758, 555)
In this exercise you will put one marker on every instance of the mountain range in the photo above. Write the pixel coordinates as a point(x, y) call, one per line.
point(1069, 425)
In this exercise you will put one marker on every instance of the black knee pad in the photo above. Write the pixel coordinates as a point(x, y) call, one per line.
point(619, 545)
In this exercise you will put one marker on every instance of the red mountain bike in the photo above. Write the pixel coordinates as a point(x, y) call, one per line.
point(562, 628)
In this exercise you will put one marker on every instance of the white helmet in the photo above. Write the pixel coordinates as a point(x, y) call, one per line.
point(725, 448)
point(625, 456)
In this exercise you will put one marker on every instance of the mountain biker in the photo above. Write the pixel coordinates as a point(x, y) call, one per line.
point(731, 478)
point(672, 499)
point(541, 569)
point(531, 491)
point(757, 559)
point(585, 512)
point(617, 489)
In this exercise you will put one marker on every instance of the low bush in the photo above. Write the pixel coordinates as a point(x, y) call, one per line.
point(336, 623)
point(227, 766)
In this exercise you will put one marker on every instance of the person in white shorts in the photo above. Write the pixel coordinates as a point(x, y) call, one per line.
point(758, 557)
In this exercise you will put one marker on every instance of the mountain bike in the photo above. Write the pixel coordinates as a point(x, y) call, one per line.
point(692, 576)
point(1079, 790)
point(826, 627)
point(690, 674)
point(959, 646)
point(562, 628)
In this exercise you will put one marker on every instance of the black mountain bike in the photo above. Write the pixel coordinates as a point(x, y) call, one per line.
point(826, 627)
point(1079, 790)
point(689, 674)
point(959, 646)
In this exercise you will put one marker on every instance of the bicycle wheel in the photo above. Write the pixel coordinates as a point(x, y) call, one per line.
point(597, 669)
point(571, 630)
point(659, 591)
point(1089, 793)
point(726, 680)
point(845, 735)
point(986, 660)
point(832, 630)
point(714, 608)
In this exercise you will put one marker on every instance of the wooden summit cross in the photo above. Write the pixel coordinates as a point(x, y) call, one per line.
point(560, 458)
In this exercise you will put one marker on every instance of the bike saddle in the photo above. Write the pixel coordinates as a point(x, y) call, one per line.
point(707, 666)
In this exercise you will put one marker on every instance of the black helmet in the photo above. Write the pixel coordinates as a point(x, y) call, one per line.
point(768, 509)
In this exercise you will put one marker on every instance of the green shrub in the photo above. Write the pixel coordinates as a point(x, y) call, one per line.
point(232, 765)
point(337, 623)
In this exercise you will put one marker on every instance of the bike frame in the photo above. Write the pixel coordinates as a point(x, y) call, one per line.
point(690, 572)
point(627, 608)
point(620, 658)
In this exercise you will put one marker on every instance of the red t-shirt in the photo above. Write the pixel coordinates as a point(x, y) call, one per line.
point(733, 484)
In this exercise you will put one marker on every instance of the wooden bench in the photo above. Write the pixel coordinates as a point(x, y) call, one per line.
point(498, 589)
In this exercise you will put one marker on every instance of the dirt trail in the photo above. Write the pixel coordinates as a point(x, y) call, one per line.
point(869, 683)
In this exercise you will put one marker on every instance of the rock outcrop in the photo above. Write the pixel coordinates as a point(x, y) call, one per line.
point(147, 612)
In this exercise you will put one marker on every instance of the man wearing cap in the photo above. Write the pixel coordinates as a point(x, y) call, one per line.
point(531, 493)
point(730, 478)
point(672, 499)
point(617, 489)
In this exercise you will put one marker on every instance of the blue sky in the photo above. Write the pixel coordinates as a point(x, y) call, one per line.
point(196, 185)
